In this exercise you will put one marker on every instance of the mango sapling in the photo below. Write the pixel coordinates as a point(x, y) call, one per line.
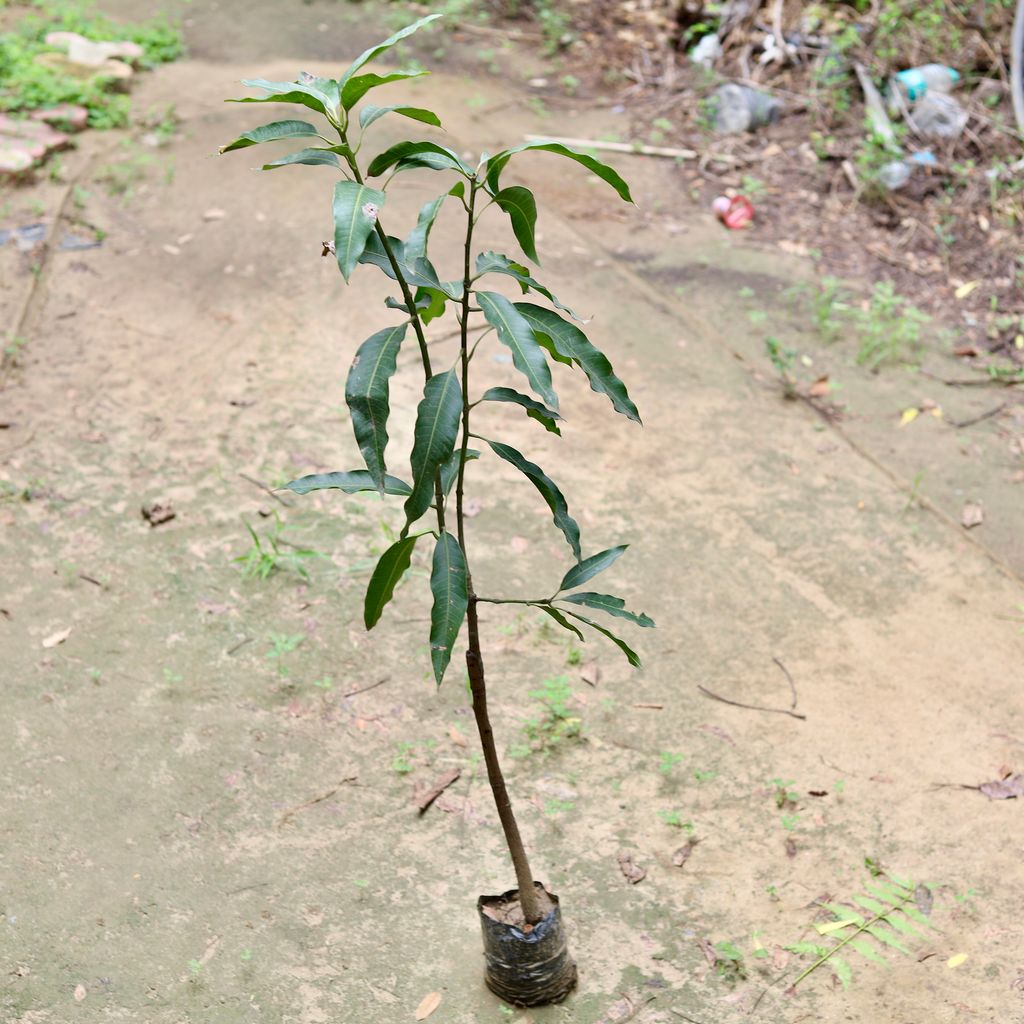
point(526, 955)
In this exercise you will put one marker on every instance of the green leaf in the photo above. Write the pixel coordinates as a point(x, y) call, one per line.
point(290, 92)
point(915, 915)
point(867, 951)
point(869, 904)
point(590, 567)
point(562, 620)
point(843, 912)
point(437, 426)
point(884, 935)
point(573, 344)
point(611, 605)
point(430, 303)
point(356, 208)
point(534, 409)
point(521, 207)
point(884, 891)
point(272, 133)
point(549, 492)
point(497, 163)
point(896, 921)
point(841, 969)
point(390, 569)
point(356, 88)
point(367, 395)
point(316, 155)
point(496, 263)
point(450, 470)
point(375, 51)
point(417, 154)
point(369, 114)
point(515, 332)
point(448, 585)
point(631, 656)
point(416, 243)
point(420, 274)
point(351, 483)
point(807, 949)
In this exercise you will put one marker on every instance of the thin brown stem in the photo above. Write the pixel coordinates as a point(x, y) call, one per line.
point(528, 900)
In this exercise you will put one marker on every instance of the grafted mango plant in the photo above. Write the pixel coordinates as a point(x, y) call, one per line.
point(527, 960)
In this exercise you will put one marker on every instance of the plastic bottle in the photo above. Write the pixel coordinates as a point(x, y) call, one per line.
point(739, 108)
point(912, 84)
point(895, 174)
point(939, 117)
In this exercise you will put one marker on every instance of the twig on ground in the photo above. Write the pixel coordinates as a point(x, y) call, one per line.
point(789, 679)
point(977, 419)
point(363, 689)
point(288, 815)
point(973, 382)
point(266, 490)
point(424, 800)
point(750, 707)
point(619, 147)
point(239, 645)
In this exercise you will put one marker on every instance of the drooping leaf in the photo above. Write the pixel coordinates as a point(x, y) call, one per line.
point(590, 567)
point(390, 569)
point(416, 243)
point(539, 412)
point(496, 263)
point(549, 492)
point(842, 970)
point(273, 132)
point(290, 92)
point(418, 154)
point(375, 51)
point(356, 208)
point(369, 114)
point(450, 470)
point(437, 427)
point(315, 155)
point(562, 621)
point(631, 656)
point(521, 207)
point(419, 274)
point(448, 585)
point(515, 332)
point(356, 88)
point(497, 163)
point(351, 483)
point(572, 343)
point(611, 605)
point(367, 395)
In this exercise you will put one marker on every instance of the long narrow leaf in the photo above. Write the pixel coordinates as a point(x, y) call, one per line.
point(450, 470)
point(289, 92)
point(316, 155)
point(390, 569)
point(356, 208)
point(867, 951)
point(375, 51)
point(590, 567)
point(367, 396)
point(573, 344)
point(356, 88)
point(497, 263)
point(562, 621)
point(416, 243)
point(533, 408)
point(437, 426)
point(272, 132)
point(610, 605)
point(549, 492)
point(419, 154)
point(497, 163)
point(631, 656)
point(515, 332)
point(369, 114)
point(521, 207)
point(448, 585)
point(351, 482)
point(883, 935)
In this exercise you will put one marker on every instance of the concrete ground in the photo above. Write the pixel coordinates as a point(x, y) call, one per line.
point(202, 821)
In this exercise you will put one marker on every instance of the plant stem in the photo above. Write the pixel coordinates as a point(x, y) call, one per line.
point(474, 660)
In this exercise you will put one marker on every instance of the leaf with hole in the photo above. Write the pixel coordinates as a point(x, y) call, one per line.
point(367, 395)
point(274, 132)
point(590, 567)
point(521, 207)
point(610, 605)
point(437, 426)
point(573, 344)
point(549, 492)
point(390, 569)
point(448, 585)
point(356, 208)
point(533, 408)
point(515, 332)
point(496, 164)
point(351, 482)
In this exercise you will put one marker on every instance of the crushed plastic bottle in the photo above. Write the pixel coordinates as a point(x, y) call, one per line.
point(913, 84)
point(895, 174)
point(707, 51)
point(738, 108)
point(939, 117)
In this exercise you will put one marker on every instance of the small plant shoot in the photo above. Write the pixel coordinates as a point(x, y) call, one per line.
point(432, 482)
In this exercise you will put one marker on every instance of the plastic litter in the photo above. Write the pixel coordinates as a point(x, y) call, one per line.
point(739, 108)
point(897, 173)
point(914, 83)
point(26, 238)
point(526, 968)
point(735, 212)
point(938, 117)
point(707, 51)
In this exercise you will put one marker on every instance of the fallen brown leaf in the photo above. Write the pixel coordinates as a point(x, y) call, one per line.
point(427, 797)
point(428, 1004)
point(972, 515)
point(708, 950)
point(820, 388)
point(457, 738)
point(790, 848)
point(1004, 789)
point(156, 513)
point(591, 673)
point(717, 730)
point(682, 855)
point(633, 872)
